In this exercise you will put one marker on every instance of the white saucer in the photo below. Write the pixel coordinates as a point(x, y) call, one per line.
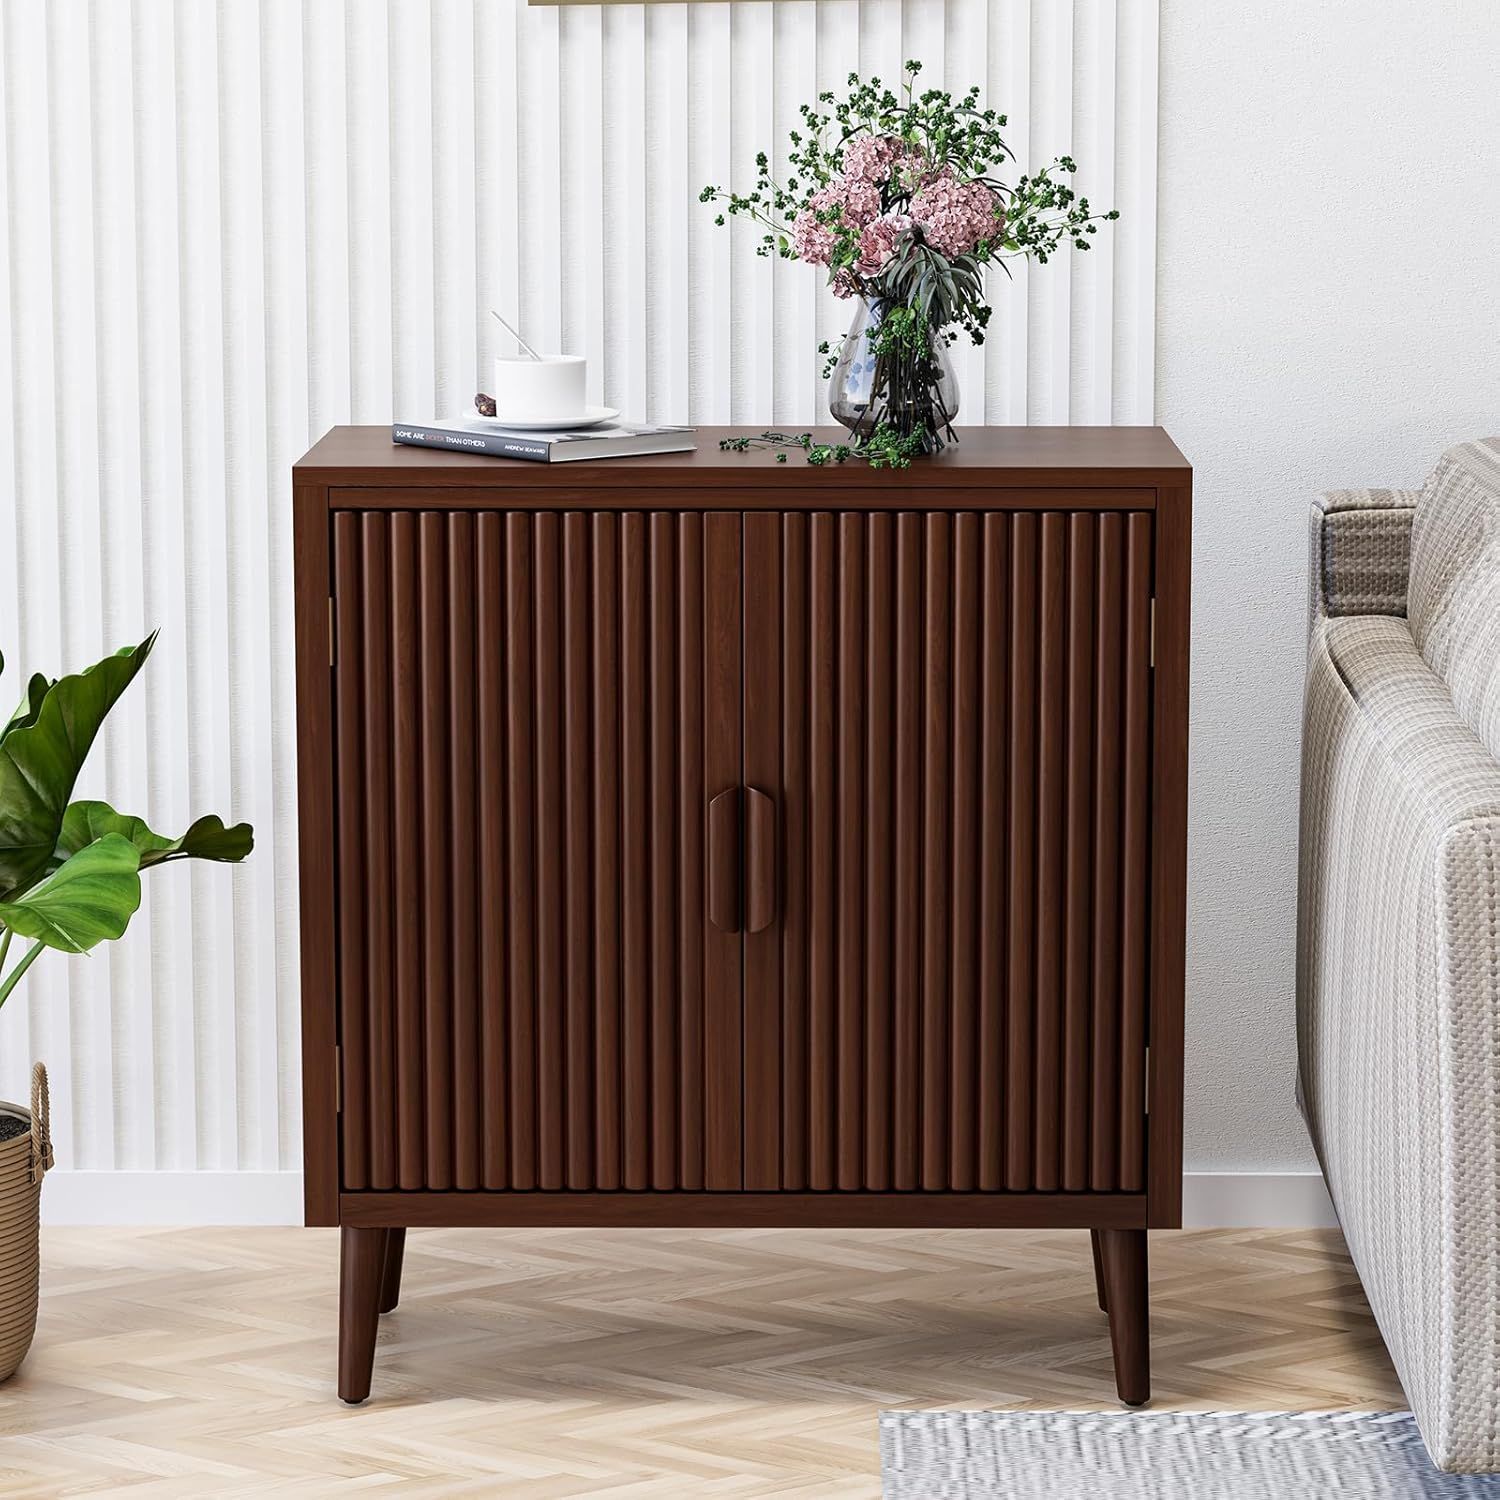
point(592, 416)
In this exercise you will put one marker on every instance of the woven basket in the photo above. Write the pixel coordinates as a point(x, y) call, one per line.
point(23, 1160)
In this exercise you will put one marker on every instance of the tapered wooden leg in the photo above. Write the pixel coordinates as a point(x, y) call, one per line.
point(1122, 1258)
point(361, 1262)
point(1098, 1271)
point(390, 1277)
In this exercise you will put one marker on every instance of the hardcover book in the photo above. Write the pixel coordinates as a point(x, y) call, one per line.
point(611, 440)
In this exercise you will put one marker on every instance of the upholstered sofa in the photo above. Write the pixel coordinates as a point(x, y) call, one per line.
point(1398, 978)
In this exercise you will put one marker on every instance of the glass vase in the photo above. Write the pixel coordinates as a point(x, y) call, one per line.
point(912, 391)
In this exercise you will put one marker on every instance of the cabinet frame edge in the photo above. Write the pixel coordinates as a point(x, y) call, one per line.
point(1172, 573)
point(312, 569)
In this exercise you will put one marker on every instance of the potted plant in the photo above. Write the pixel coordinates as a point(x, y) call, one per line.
point(904, 197)
point(70, 877)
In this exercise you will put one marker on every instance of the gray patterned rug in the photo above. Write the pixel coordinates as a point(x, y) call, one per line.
point(981, 1455)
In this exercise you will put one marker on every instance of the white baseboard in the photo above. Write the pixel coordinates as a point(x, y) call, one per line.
point(1256, 1200)
point(172, 1198)
point(1211, 1200)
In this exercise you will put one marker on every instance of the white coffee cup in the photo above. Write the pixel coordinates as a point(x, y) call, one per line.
point(551, 389)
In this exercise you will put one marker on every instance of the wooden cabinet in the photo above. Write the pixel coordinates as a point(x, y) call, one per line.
point(701, 840)
point(533, 711)
point(947, 724)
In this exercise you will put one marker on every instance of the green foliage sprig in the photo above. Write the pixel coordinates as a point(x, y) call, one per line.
point(884, 448)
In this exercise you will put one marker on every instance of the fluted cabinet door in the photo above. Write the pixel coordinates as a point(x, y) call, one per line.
point(534, 713)
point(947, 763)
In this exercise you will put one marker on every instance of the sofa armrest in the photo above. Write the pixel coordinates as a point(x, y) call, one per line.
point(1399, 1013)
point(1360, 545)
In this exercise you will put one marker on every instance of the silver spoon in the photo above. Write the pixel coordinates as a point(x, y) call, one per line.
point(516, 336)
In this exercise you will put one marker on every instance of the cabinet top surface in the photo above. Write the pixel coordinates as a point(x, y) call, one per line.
point(1000, 456)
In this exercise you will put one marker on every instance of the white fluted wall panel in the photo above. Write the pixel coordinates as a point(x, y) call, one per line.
point(231, 226)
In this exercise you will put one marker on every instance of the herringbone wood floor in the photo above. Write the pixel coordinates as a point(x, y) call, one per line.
point(531, 1363)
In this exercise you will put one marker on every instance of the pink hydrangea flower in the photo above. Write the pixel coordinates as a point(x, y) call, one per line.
point(871, 157)
point(811, 238)
point(858, 202)
point(861, 201)
point(954, 216)
point(879, 239)
point(881, 158)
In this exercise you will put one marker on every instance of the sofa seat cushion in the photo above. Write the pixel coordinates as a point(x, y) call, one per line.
point(1453, 599)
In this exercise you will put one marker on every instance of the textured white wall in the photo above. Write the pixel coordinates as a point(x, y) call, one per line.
point(230, 227)
point(1328, 315)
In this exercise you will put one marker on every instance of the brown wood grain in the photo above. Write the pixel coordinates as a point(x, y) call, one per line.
point(749, 1210)
point(407, 850)
point(1135, 858)
point(795, 838)
point(723, 1020)
point(1093, 468)
point(493, 898)
point(765, 997)
point(994, 873)
point(456, 493)
point(462, 801)
point(1169, 772)
point(578, 841)
point(692, 801)
point(361, 1263)
point(371, 797)
point(849, 820)
point(907, 966)
point(487, 658)
point(521, 826)
point(549, 852)
point(878, 816)
point(435, 1000)
point(958, 888)
point(635, 1022)
point(355, 991)
point(671, 830)
point(661, 604)
point(605, 610)
point(1021, 842)
point(1052, 895)
point(822, 998)
point(760, 860)
point(963, 845)
point(725, 862)
point(1105, 946)
point(937, 814)
point(1124, 1290)
point(1078, 836)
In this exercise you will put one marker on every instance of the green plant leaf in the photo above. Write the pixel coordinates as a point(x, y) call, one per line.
point(84, 901)
point(208, 838)
point(30, 706)
point(40, 761)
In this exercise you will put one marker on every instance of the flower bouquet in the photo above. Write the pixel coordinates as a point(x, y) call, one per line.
point(897, 194)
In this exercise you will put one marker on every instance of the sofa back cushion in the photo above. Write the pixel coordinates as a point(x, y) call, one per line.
point(1453, 597)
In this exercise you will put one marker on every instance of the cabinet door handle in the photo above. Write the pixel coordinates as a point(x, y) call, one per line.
point(724, 860)
point(760, 860)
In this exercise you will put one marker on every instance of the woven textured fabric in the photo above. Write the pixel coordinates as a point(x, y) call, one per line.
point(1399, 1013)
point(1361, 540)
point(1455, 581)
point(983, 1455)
